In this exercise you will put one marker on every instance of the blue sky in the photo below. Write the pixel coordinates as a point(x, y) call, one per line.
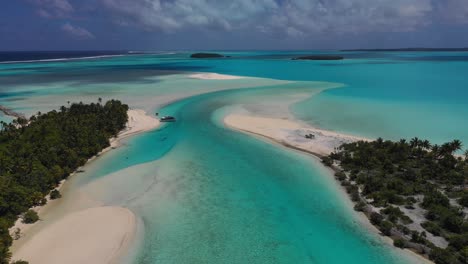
point(231, 24)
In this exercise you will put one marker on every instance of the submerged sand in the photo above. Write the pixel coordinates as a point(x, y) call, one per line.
point(96, 235)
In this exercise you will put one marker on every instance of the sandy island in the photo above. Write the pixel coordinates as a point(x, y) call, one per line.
point(290, 133)
point(96, 235)
point(214, 76)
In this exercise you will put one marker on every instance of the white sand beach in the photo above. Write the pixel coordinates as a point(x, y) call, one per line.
point(138, 121)
point(290, 133)
point(214, 76)
point(97, 235)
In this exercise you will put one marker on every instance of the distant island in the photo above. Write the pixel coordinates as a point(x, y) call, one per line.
point(412, 191)
point(319, 57)
point(39, 152)
point(206, 55)
point(411, 49)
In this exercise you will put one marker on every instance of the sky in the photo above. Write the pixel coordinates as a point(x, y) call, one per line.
point(231, 24)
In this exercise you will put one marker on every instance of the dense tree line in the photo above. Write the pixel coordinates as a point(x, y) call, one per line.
point(390, 175)
point(36, 154)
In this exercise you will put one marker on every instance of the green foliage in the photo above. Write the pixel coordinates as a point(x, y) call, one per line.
point(442, 256)
point(396, 173)
point(464, 199)
point(55, 194)
point(386, 227)
point(394, 214)
point(376, 218)
point(432, 228)
point(20, 262)
point(30, 217)
point(399, 243)
point(36, 154)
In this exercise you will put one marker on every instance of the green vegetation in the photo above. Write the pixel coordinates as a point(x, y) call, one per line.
point(20, 262)
point(414, 175)
point(36, 154)
point(30, 217)
point(55, 194)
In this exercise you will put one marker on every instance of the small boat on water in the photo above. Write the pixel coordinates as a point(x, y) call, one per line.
point(167, 119)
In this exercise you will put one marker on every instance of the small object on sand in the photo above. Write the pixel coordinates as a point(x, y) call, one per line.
point(310, 136)
point(167, 119)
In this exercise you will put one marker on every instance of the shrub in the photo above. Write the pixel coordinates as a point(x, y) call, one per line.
point(432, 228)
point(327, 161)
point(399, 243)
point(55, 194)
point(442, 256)
point(376, 218)
point(360, 206)
point(30, 217)
point(464, 199)
point(341, 176)
point(386, 227)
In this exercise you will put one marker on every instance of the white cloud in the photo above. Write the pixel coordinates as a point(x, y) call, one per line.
point(53, 8)
point(77, 32)
point(288, 17)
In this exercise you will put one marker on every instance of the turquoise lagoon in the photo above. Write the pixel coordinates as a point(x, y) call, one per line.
point(207, 194)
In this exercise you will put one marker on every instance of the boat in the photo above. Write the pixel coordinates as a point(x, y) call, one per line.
point(167, 119)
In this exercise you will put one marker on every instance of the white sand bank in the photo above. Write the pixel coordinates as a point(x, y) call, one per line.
point(291, 133)
point(214, 76)
point(138, 121)
point(97, 235)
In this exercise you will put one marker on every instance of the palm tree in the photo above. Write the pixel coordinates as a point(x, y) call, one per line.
point(426, 144)
point(435, 150)
point(414, 142)
point(456, 145)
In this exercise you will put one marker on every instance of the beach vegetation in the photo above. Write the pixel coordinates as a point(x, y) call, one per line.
point(55, 194)
point(400, 243)
point(411, 175)
point(36, 154)
point(30, 217)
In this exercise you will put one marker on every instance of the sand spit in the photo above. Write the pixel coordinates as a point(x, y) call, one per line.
point(291, 133)
point(214, 76)
point(96, 235)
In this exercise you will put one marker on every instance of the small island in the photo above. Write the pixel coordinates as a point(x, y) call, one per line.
point(412, 191)
point(206, 55)
point(319, 57)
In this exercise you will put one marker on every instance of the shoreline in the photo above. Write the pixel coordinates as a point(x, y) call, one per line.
point(138, 122)
point(265, 128)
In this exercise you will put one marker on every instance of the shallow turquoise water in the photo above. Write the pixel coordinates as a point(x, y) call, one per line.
point(218, 196)
point(207, 194)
